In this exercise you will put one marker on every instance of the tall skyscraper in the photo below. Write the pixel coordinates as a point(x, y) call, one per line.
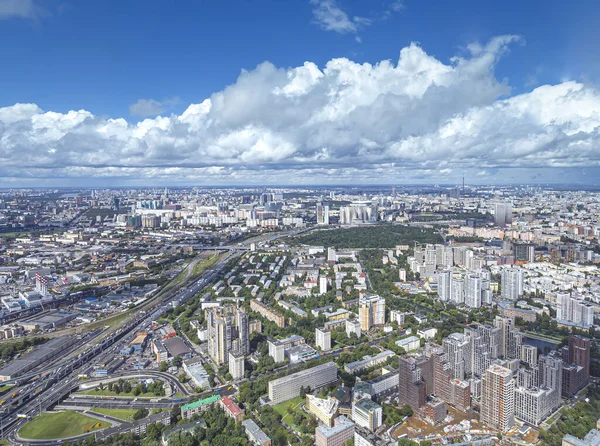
point(372, 311)
point(228, 331)
point(512, 283)
point(503, 214)
point(498, 398)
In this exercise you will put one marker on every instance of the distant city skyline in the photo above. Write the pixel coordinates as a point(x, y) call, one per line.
point(336, 92)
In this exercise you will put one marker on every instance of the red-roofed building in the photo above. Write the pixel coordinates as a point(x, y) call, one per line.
point(231, 408)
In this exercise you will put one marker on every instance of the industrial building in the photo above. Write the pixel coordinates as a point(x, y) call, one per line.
point(36, 357)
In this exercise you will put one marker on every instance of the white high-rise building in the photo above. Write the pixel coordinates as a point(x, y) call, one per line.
point(323, 338)
point(498, 398)
point(512, 283)
point(473, 291)
point(322, 284)
point(529, 355)
point(444, 278)
point(576, 311)
point(236, 365)
point(457, 290)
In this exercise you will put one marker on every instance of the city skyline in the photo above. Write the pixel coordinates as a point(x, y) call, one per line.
point(332, 92)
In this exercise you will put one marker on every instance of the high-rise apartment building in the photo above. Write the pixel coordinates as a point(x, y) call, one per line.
point(576, 311)
point(579, 353)
point(236, 365)
point(512, 283)
point(322, 284)
point(503, 214)
point(456, 346)
point(444, 278)
point(353, 327)
point(524, 252)
point(415, 376)
point(372, 311)
point(473, 284)
point(511, 339)
point(484, 346)
point(457, 290)
point(322, 214)
point(228, 331)
point(529, 355)
point(323, 339)
point(498, 398)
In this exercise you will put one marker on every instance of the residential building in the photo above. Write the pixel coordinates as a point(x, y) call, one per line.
point(498, 398)
point(323, 338)
point(368, 361)
point(190, 409)
point(288, 387)
point(236, 365)
point(456, 346)
point(415, 380)
point(267, 312)
point(231, 408)
point(322, 284)
point(512, 283)
point(372, 311)
point(409, 344)
point(228, 330)
point(353, 327)
point(503, 214)
point(255, 434)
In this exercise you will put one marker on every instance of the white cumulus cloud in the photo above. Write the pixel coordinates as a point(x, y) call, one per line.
point(342, 122)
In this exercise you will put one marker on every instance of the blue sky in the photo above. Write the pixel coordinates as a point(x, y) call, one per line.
point(134, 60)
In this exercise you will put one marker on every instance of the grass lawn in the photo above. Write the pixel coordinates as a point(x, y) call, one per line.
point(122, 414)
point(50, 426)
point(5, 388)
point(96, 392)
point(204, 264)
point(281, 409)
